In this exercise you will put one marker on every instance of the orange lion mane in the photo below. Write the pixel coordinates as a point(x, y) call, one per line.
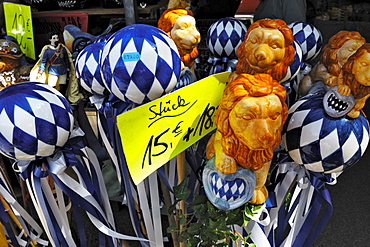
point(246, 85)
point(279, 71)
point(329, 52)
point(166, 23)
point(357, 89)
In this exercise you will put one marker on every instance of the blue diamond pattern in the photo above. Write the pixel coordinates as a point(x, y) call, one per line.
point(35, 121)
point(332, 145)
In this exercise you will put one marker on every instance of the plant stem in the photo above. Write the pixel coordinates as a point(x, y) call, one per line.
point(171, 218)
point(180, 158)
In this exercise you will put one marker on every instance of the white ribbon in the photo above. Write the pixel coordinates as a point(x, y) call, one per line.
point(22, 215)
point(110, 150)
point(144, 206)
point(82, 192)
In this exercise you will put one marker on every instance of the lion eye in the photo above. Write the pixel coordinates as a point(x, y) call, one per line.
point(275, 115)
point(253, 40)
point(274, 46)
point(247, 117)
point(364, 64)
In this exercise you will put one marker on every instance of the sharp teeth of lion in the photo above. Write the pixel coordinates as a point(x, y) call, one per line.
point(337, 104)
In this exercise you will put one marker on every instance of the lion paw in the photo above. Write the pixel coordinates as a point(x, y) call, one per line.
point(259, 196)
point(225, 164)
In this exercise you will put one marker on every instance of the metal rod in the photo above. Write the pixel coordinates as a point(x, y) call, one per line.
point(131, 15)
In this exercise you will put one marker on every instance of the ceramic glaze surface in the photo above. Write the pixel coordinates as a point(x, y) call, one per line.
point(308, 37)
point(228, 192)
point(88, 69)
point(35, 121)
point(225, 36)
point(322, 143)
point(140, 63)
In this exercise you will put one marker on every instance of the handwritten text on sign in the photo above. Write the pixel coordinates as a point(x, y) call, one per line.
point(18, 22)
point(156, 132)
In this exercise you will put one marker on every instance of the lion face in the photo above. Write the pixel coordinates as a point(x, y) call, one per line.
point(361, 69)
point(184, 33)
point(265, 47)
point(348, 48)
point(256, 121)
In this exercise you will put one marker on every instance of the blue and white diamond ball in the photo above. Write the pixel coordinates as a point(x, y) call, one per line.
point(295, 66)
point(140, 63)
point(308, 37)
point(88, 69)
point(322, 143)
point(224, 37)
point(35, 121)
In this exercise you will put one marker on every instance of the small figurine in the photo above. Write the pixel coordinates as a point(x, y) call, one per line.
point(179, 24)
point(249, 121)
point(55, 67)
point(11, 69)
point(334, 55)
point(267, 48)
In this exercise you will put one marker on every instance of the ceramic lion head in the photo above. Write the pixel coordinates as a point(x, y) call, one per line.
point(250, 118)
point(267, 48)
point(179, 24)
point(356, 79)
point(339, 48)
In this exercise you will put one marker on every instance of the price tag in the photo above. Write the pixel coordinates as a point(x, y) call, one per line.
point(18, 22)
point(154, 133)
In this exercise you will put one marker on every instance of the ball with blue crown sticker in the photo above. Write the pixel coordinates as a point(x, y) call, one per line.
point(140, 63)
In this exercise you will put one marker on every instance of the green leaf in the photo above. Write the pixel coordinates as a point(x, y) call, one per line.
point(222, 225)
point(234, 217)
point(183, 236)
point(206, 244)
point(194, 228)
point(211, 210)
point(200, 210)
point(193, 241)
point(233, 236)
point(171, 229)
point(252, 245)
point(182, 191)
point(199, 199)
point(246, 219)
point(210, 234)
point(172, 207)
point(222, 244)
point(247, 210)
point(213, 225)
point(182, 219)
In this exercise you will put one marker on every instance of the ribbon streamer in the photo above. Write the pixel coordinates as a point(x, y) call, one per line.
point(300, 195)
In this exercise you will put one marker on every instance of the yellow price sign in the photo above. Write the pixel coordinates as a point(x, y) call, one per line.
point(154, 133)
point(18, 23)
